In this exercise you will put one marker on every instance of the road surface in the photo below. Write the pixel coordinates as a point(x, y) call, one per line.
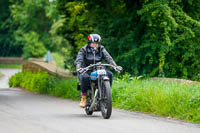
point(25, 112)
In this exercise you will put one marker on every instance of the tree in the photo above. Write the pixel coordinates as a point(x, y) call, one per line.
point(151, 37)
point(146, 37)
point(8, 47)
point(72, 28)
point(34, 16)
point(33, 46)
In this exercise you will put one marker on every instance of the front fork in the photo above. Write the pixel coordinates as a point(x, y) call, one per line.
point(100, 85)
point(94, 98)
point(97, 91)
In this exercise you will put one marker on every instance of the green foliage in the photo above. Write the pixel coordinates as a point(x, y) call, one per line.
point(33, 47)
point(151, 37)
point(16, 80)
point(39, 82)
point(171, 34)
point(62, 44)
point(59, 59)
point(162, 98)
point(66, 89)
point(10, 66)
point(8, 47)
point(74, 25)
point(34, 20)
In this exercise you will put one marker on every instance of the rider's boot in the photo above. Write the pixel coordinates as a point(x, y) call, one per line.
point(83, 101)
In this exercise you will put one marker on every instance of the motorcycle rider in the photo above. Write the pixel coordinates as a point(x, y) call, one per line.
point(91, 53)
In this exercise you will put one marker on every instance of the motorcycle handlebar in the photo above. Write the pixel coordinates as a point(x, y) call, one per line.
point(93, 65)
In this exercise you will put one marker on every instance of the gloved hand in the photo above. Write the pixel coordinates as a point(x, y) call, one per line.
point(80, 70)
point(119, 68)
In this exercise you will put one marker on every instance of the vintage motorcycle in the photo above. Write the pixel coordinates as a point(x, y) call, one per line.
point(99, 96)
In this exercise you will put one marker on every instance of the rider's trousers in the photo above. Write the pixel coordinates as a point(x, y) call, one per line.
point(85, 82)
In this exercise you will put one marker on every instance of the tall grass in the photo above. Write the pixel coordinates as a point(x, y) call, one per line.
point(66, 89)
point(162, 98)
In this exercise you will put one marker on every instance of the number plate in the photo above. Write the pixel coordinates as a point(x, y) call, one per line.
point(101, 72)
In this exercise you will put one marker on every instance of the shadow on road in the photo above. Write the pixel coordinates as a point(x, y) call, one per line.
point(78, 116)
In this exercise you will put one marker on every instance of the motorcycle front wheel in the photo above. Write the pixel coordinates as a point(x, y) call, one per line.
point(87, 111)
point(88, 104)
point(106, 102)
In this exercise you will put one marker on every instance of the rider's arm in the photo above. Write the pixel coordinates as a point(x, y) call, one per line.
point(107, 57)
point(79, 59)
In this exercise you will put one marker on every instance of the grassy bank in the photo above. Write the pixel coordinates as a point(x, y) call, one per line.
point(0, 74)
point(169, 99)
point(11, 66)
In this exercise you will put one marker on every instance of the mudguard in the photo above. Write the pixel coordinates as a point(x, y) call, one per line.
point(105, 78)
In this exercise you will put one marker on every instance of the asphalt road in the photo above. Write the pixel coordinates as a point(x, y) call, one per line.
point(25, 112)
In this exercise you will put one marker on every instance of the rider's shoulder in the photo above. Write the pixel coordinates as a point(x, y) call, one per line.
point(102, 47)
point(84, 48)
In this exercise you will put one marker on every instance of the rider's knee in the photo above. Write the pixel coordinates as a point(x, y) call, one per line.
point(110, 74)
point(84, 76)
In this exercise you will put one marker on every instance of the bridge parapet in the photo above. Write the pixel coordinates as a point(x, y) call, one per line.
point(12, 60)
point(35, 65)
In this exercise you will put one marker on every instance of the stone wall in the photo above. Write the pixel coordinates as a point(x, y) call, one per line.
point(52, 69)
point(35, 64)
point(11, 60)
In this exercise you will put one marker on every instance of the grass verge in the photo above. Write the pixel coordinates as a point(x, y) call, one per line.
point(0, 74)
point(169, 99)
point(11, 66)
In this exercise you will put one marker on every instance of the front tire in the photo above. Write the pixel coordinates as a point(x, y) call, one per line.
point(87, 111)
point(106, 102)
point(88, 104)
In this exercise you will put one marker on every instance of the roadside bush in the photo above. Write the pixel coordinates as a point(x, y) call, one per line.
point(66, 89)
point(36, 82)
point(41, 82)
point(16, 80)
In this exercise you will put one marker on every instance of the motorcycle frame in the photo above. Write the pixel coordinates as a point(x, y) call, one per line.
point(95, 92)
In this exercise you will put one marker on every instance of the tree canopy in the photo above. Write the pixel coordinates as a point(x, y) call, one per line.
point(145, 37)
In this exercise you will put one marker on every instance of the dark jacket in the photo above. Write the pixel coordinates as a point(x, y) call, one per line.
point(86, 56)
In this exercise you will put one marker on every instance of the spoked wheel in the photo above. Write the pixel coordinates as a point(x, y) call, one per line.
point(106, 102)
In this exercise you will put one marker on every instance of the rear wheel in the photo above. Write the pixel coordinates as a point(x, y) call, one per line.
point(106, 102)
